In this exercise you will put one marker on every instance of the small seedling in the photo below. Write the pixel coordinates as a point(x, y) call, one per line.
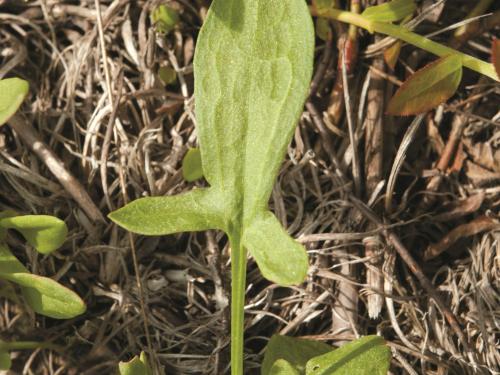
point(252, 67)
point(45, 233)
point(136, 366)
point(44, 295)
point(252, 71)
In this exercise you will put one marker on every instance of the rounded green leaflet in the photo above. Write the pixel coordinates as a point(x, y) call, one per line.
point(45, 233)
point(191, 165)
point(12, 93)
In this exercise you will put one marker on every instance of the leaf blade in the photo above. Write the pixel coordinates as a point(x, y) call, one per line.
point(366, 356)
point(392, 11)
point(154, 216)
point(45, 233)
point(283, 367)
point(428, 87)
point(44, 295)
point(136, 366)
point(294, 351)
point(12, 94)
point(270, 245)
point(192, 168)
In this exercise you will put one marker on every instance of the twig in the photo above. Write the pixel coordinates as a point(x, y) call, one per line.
point(31, 138)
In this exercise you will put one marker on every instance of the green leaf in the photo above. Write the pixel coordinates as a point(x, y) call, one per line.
point(167, 75)
point(5, 361)
point(495, 56)
point(164, 18)
point(296, 352)
point(279, 257)
point(366, 356)
point(194, 211)
point(283, 367)
point(136, 366)
point(44, 295)
point(12, 94)
point(392, 11)
point(253, 64)
point(191, 165)
point(45, 233)
point(428, 87)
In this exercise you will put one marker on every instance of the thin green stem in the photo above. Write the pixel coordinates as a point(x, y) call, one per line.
point(400, 32)
point(238, 279)
point(23, 345)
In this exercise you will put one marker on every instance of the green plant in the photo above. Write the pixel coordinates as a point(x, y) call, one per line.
point(291, 356)
point(136, 366)
point(430, 86)
point(45, 233)
point(253, 64)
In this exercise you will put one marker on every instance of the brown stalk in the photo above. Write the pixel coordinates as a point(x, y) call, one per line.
point(33, 140)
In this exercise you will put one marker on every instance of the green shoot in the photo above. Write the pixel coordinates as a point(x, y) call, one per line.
point(252, 67)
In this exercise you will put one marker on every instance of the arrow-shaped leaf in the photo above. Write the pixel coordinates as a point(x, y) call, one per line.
point(428, 87)
point(252, 67)
point(12, 93)
point(45, 233)
point(390, 12)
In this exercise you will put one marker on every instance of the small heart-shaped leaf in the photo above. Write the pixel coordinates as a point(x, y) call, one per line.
point(45, 233)
point(136, 366)
point(390, 12)
point(366, 356)
point(295, 352)
point(495, 55)
point(428, 87)
point(12, 93)
point(192, 169)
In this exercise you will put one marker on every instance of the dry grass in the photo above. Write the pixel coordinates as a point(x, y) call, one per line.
point(122, 133)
